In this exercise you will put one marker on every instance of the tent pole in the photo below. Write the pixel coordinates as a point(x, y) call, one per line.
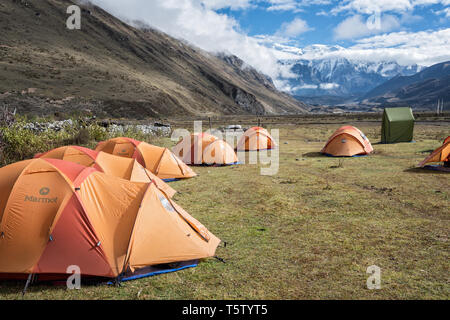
point(27, 284)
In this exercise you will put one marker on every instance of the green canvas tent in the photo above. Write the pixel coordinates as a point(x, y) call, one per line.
point(398, 125)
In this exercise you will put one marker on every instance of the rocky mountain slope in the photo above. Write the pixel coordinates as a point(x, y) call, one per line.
point(113, 69)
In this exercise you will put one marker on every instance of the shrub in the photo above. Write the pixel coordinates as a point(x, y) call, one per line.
point(19, 142)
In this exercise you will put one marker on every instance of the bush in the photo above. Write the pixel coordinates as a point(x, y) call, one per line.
point(21, 143)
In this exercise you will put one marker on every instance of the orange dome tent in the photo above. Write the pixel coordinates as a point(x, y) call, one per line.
point(55, 214)
point(255, 139)
point(347, 141)
point(125, 168)
point(161, 161)
point(204, 148)
point(441, 154)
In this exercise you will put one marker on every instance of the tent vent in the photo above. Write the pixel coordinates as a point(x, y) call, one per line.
point(166, 204)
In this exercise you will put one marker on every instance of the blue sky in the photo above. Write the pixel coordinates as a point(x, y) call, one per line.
point(260, 20)
point(265, 32)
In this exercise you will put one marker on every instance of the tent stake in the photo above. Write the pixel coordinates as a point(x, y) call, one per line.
point(220, 259)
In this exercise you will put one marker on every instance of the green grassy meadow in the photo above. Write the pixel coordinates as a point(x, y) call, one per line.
point(311, 230)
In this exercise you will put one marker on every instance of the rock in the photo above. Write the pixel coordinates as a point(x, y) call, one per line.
point(112, 127)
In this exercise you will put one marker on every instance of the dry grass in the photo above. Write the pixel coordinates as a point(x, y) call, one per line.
point(311, 231)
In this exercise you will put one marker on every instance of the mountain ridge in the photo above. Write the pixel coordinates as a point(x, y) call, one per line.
point(420, 90)
point(342, 77)
point(119, 70)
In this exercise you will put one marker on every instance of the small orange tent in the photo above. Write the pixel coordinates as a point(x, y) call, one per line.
point(125, 168)
point(161, 161)
point(255, 139)
point(55, 214)
point(441, 154)
point(204, 148)
point(347, 141)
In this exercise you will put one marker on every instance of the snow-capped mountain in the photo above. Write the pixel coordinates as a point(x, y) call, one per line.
point(341, 76)
point(331, 71)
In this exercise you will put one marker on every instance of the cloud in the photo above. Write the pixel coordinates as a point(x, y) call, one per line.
point(356, 26)
point(307, 86)
point(233, 5)
point(294, 6)
point(406, 48)
point(445, 12)
point(370, 6)
point(329, 86)
point(193, 21)
point(197, 22)
point(293, 29)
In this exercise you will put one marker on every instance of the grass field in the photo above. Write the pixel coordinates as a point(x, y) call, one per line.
point(310, 231)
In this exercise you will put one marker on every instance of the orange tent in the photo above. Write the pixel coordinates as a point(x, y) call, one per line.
point(204, 148)
point(125, 168)
point(347, 141)
point(255, 139)
point(160, 161)
point(55, 214)
point(441, 154)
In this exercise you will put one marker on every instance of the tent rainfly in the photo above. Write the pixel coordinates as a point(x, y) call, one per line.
point(440, 155)
point(347, 141)
point(161, 161)
point(55, 214)
point(398, 125)
point(125, 168)
point(205, 149)
point(256, 139)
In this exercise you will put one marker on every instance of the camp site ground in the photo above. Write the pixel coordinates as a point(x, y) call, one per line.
point(312, 230)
